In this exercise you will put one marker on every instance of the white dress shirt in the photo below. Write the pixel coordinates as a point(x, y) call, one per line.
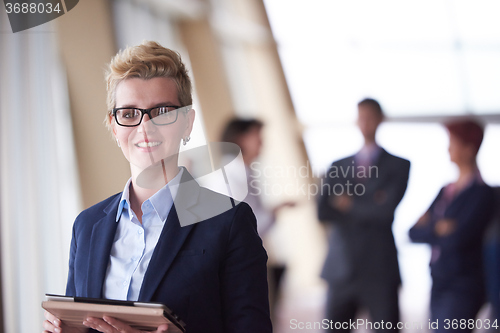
point(264, 215)
point(134, 242)
point(368, 155)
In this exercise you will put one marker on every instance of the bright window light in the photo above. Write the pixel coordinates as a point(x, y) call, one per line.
point(430, 57)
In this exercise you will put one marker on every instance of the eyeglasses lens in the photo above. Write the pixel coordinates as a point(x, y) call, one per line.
point(164, 115)
point(160, 116)
point(128, 117)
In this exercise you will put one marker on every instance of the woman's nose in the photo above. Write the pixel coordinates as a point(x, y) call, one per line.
point(146, 125)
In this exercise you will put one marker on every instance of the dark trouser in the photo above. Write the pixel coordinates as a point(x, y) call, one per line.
point(381, 301)
point(492, 269)
point(454, 304)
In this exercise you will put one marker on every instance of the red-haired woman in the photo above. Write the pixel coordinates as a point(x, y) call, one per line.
point(454, 226)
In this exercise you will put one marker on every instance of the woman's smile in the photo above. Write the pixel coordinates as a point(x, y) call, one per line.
point(148, 144)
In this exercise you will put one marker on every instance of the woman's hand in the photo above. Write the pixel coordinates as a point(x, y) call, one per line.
point(445, 227)
point(52, 324)
point(423, 220)
point(112, 325)
point(286, 204)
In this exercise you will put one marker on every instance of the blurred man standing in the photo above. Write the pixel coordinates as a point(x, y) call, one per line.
point(359, 196)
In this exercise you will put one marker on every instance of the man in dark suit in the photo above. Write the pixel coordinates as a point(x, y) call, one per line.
point(358, 199)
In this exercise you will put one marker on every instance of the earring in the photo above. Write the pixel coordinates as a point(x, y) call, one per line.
point(118, 142)
point(186, 140)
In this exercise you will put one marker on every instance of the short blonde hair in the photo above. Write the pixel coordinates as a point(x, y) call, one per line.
point(146, 61)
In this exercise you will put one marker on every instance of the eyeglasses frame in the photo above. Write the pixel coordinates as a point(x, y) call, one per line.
point(184, 109)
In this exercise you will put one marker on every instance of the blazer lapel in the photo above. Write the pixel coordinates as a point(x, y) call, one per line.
point(101, 242)
point(381, 158)
point(171, 239)
point(373, 173)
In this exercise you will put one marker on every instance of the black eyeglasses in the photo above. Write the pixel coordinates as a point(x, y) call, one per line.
point(160, 115)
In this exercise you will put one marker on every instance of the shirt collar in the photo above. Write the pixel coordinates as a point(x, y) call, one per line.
point(369, 152)
point(166, 193)
point(124, 200)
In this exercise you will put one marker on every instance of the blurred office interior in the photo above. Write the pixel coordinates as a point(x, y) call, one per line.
point(299, 66)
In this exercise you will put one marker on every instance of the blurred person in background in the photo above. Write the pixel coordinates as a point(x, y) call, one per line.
point(247, 134)
point(358, 199)
point(164, 238)
point(492, 259)
point(454, 226)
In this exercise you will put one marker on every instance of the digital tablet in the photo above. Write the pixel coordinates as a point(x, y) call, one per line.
point(143, 316)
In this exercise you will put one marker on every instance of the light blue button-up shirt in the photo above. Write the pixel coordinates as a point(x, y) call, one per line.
point(134, 242)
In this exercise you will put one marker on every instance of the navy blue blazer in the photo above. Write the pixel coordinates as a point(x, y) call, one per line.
point(212, 273)
point(460, 252)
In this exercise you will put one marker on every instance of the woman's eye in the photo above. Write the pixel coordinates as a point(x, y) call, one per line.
point(129, 114)
point(162, 111)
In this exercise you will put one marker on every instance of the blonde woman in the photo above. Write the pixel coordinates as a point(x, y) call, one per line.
point(165, 238)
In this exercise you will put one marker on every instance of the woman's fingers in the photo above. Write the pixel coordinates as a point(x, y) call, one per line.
point(119, 325)
point(52, 324)
point(49, 327)
point(99, 325)
point(162, 328)
point(113, 325)
point(445, 227)
point(109, 325)
point(53, 319)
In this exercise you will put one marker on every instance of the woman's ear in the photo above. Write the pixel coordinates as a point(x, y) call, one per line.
point(190, 122)
point(112, 125)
